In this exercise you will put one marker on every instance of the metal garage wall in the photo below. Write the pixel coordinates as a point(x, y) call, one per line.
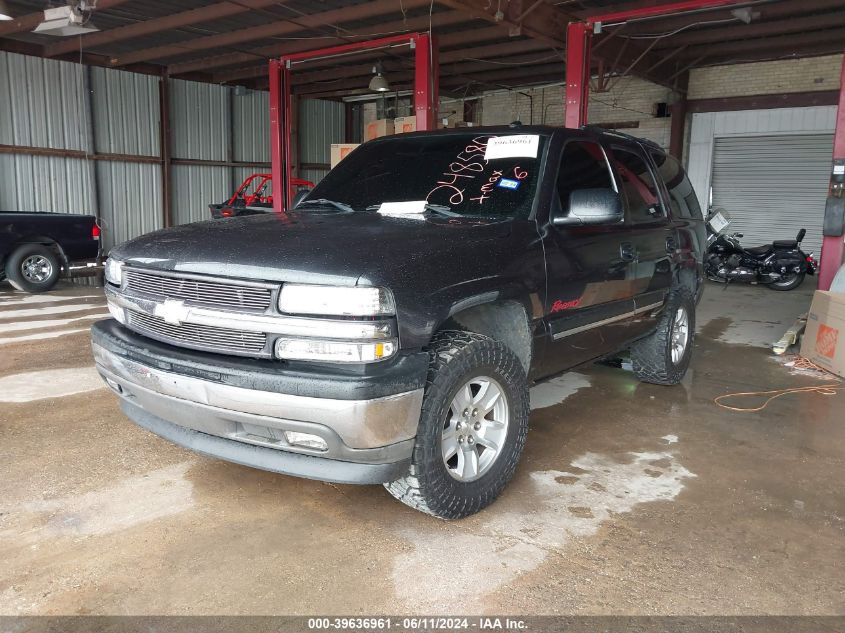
point(43, 112)
point(126, 121)
point(200, 123)
point(251, 126)
point(773, 185)
point(321, 123)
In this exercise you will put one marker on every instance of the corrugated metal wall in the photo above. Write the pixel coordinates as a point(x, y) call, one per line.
point(200, 123)
point(48, 103)
point(43, 112)
point(126, 121)
point(320, 124)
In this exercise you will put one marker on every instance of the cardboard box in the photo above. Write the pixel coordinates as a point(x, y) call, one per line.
point(379, 127)
point(340, 150)
point(824, 337)
point(404, 124)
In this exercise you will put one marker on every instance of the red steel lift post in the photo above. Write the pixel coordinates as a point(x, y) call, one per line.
point(426, 82)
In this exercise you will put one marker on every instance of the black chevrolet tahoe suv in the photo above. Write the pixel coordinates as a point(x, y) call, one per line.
point(388, 327)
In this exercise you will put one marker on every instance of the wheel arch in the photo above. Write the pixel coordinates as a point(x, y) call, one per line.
point(503, 319)
point(44, 240)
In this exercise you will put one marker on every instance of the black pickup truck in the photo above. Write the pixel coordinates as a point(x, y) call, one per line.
point(387, 329)
point(38, 248)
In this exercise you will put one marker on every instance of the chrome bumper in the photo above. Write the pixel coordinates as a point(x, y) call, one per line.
point(219, 420)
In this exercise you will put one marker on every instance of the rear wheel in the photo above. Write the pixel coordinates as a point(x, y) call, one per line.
point(472, 428)
point(33, 268)
point(662, 357)
point(788, 283)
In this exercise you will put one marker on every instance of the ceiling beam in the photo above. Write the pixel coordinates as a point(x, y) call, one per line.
point(545, 22)
point(480, 52)
point(275, 50)
point(767, 11)
point(31, 20)
point(725, 34)
point(785, 43)
point(155, 25)
point(444, 42)
point(361, 11)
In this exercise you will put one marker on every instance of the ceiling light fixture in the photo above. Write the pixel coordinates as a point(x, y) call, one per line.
point(378, 83)
point(5, 14)
point(65, 21)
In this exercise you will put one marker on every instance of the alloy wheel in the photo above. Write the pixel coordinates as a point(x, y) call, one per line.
point(475, 429)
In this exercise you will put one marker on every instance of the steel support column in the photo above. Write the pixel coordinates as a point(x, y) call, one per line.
point(578, 38)
point(426, 81)
point(833, 246)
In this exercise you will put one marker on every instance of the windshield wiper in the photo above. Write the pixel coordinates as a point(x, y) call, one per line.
point(328, 203)
point(442, 209)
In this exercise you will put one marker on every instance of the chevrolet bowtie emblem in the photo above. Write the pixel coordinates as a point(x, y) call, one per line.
point(172, 311)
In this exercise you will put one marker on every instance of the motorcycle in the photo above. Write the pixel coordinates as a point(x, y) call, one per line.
point(781, 265)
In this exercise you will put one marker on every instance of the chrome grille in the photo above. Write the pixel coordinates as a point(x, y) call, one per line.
point(200, 337)
point(214, 294)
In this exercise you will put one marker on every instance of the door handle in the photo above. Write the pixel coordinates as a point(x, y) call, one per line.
point(627, 252)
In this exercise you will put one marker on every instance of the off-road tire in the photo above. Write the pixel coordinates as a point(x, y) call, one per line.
point(15, 275)
point(456, 357)
point(797, 281)
point(652, 356)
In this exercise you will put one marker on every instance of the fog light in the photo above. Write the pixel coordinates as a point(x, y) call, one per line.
point(306, 440)
point(334, 351)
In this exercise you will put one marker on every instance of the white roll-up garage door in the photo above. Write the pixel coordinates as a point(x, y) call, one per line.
point(773, 186)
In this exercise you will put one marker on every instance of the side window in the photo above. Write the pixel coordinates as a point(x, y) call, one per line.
point(582, 166)
point(639, 186)
point(682, 198)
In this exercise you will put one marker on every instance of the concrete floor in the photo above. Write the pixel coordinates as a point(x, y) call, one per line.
point(630, 498)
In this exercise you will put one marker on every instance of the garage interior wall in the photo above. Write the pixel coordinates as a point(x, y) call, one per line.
point(96, 113)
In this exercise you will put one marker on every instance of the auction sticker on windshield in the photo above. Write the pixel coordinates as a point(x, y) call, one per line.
point(516, 146)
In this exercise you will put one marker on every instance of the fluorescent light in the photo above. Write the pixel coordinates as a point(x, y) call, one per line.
point(5, 14)
point(64, 21)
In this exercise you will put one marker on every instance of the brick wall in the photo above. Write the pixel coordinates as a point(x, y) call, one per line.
point(629, 99)
point(789, 75)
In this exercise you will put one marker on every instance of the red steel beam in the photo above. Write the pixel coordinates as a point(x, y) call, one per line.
point(833, 247)
point(578, 37)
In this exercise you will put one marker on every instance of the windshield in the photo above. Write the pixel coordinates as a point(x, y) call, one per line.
point(472, 174)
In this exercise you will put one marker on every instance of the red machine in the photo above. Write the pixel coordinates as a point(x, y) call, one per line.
point(252, 197)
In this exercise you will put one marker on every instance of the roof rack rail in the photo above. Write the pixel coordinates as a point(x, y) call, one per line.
point(598, 128)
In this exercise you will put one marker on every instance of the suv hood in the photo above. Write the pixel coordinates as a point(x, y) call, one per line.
point(327, 247)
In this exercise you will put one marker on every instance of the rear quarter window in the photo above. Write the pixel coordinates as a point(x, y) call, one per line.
point(682, 198)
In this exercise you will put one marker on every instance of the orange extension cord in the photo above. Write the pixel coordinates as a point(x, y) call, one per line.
point(828, 389)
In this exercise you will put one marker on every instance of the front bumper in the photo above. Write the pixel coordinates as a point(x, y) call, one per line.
point(239, 410)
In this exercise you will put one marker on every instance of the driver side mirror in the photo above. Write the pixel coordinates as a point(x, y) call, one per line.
point(590, 206)
point(299, 197)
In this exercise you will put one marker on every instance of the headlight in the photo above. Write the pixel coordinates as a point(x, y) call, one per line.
point(335, 300)
point(114, 271)
point(334, 351)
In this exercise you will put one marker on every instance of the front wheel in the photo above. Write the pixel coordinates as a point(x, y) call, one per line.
point(472, 428)
point(33, 268)
point(788, 283)
point(662, 357)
